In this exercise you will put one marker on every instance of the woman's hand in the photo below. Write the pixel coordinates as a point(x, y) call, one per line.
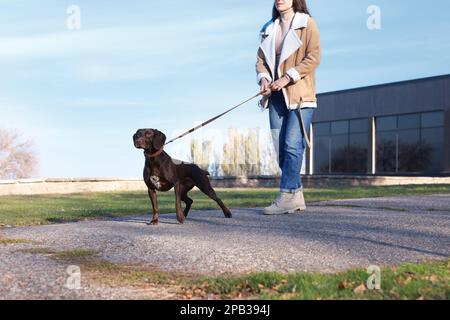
point(280, 83)
point(265, 87)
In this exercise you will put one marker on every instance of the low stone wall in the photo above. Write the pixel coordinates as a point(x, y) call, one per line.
point(321, 181)
point(67, 186)
point(318, 181)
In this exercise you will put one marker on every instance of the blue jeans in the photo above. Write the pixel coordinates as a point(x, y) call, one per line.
point(288, 140)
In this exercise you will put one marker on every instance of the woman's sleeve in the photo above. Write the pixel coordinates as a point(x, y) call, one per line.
point(262, 71)
point(312, 55)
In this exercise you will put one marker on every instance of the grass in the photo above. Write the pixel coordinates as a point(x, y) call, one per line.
point(97, 268)
point(36, 250)
point(89, 259)
point(72, 255)
point(6, 241)
point(48, 209)
point(427, 280)
point(410, 281)
point(76, 255)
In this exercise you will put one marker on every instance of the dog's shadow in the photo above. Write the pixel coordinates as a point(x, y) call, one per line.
point(170, 218)
point(145, 219)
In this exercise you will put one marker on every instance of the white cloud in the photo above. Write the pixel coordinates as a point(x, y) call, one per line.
point(128, 52)
point(157, 40)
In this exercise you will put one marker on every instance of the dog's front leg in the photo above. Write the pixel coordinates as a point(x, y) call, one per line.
point(180, 214)
point(152, 194)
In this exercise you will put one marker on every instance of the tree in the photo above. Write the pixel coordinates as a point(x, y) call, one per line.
point(268, 156)
point(17, 158)
point(242, 154)
point(200, 152)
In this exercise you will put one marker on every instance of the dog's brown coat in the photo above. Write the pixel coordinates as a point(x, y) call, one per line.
point(162, 174)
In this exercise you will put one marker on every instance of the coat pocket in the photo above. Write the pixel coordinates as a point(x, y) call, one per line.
point(306, 88)
point(303, 89)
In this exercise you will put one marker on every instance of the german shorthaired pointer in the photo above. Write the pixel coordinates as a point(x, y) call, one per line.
point(162, 173)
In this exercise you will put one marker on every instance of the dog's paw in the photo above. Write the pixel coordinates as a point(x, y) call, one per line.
point(228, 214)
point(181, 220)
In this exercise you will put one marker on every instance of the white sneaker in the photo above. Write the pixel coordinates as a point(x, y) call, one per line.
point(286, 203)
point(299, 201)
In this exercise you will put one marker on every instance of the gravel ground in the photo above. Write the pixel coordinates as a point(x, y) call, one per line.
point(37, 277)
point(330, 236)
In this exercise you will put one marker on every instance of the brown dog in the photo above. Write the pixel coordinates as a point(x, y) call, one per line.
point(162, 173)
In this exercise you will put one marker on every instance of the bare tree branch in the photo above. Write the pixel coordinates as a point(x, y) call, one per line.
point(17, 157)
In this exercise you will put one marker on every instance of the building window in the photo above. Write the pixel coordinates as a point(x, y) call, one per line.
point(359, 144)
point(341, 146)
point(432, 135)
point(410, 143)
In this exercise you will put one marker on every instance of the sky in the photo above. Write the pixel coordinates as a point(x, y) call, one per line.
point(80, 94)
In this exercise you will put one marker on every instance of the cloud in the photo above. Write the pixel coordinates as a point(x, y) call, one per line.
point(137, 40)
point(90, 102)
point(133, 52)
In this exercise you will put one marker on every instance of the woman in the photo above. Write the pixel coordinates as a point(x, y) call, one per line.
point(286, 63)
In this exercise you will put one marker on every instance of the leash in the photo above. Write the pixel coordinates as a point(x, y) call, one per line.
point(302, 124)
point(213, 119)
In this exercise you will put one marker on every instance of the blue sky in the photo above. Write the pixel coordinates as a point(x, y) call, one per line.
point(81, 94)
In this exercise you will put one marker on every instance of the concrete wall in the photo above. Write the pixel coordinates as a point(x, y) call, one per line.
point(68, 186)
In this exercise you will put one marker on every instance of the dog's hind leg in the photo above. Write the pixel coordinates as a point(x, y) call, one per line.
point(180, 214)
point(185, 188)
point(206, 188)
point(188, 201)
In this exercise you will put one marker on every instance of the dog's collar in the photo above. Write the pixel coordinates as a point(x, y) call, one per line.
point(154, 154)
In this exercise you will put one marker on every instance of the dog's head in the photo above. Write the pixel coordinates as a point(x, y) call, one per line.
point(149, 139)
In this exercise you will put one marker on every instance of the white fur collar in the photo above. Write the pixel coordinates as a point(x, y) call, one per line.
point(291, 43)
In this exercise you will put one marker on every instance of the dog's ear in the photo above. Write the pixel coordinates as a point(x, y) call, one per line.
point(159, 139)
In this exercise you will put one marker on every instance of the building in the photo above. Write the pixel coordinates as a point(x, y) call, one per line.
point(400, 128)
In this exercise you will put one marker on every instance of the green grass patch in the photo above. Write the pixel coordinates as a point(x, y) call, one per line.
point(6, 241)
point(48, 209)
point(410, 281)
point(427, 280)
point(109, 273)
point(42, 250)
point(86, 259)
point(72, 255)
point(76, 254)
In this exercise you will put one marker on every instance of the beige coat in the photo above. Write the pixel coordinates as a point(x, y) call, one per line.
point(299, 58)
